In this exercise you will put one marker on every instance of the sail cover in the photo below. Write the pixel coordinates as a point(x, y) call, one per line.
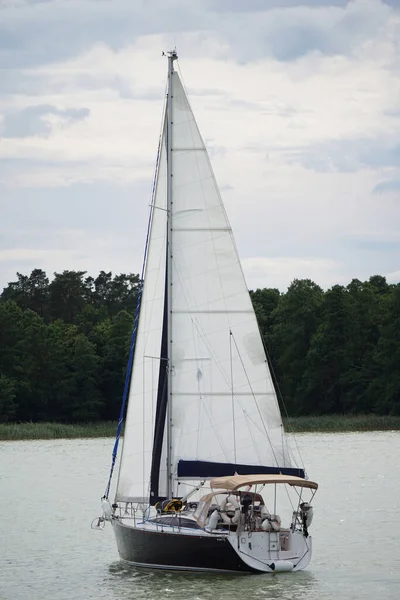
point(223, 406)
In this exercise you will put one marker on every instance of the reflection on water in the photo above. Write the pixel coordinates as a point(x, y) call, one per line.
point(50, 492)
point(126, 581)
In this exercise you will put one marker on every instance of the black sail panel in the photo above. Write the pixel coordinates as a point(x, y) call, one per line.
point(161, 410)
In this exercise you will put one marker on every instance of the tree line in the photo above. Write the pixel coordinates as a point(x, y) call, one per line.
point(65, 345)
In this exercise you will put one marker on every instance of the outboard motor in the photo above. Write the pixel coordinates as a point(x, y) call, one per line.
point(306, 514)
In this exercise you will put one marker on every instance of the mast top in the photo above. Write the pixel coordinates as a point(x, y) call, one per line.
point(172, 56)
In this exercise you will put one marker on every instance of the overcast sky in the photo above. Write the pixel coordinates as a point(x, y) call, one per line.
point(298, 103)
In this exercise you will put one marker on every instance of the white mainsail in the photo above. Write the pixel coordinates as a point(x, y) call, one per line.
point(223, 407)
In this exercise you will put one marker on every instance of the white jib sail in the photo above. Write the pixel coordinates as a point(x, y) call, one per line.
point(134, 473)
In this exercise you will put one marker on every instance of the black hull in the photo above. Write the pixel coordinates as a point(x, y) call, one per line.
point(156, 549)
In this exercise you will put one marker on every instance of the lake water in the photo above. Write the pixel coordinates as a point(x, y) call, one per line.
point(50, 492)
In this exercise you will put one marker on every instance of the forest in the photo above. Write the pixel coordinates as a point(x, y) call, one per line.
point(65, 345)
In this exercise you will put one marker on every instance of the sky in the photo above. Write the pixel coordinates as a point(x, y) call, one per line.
point(298, 103)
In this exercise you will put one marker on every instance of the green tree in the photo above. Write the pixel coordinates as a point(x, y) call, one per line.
point(86, 400)
point(11, 335)
point(365, 308)
point(31, 368)
point(264, 302)
point(65, 344)
point(113, 342)
point(68, 294)
point(8, 406)
point(30, 292)
point(295, 321)
point(384, 390)
point(323, 388)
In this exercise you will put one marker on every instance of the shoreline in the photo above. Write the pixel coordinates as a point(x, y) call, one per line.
point(304, 424)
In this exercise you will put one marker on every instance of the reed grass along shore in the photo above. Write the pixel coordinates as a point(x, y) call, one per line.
point(327, 424)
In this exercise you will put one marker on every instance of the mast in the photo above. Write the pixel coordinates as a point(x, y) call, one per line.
point(172, 56)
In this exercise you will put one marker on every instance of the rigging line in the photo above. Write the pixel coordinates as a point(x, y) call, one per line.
point(289, 497)
point(247, 417)
point(135, 323)
point(129, 369)
point(200, 403)
point(255, 400)
point(150, 304)
point(233, 396)
point(143, 427)
point(201, 398)
point(275, 383)
point(214, 429)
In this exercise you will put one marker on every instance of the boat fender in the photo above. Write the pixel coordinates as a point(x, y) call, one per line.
point(280, 566)
point(213, 520)
point(271, 523)
point(235, 505)
point(106, 506)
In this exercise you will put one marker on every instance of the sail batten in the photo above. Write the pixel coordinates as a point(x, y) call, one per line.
point(227, 393)
point(219, 229)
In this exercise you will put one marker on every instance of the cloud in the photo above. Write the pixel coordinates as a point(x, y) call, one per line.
point(393, 185)
point(393, 277)
point(296, 29)
point(30, 256)
point(347, 155)
point(33, 121)
point(260, 5)
point(85, 226)
point(297, 103)
point(47, 32)
point(260, 271)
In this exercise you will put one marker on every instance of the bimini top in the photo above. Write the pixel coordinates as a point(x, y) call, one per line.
point(233, 482)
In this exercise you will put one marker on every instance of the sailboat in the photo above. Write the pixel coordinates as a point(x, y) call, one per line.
point(205, 456)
